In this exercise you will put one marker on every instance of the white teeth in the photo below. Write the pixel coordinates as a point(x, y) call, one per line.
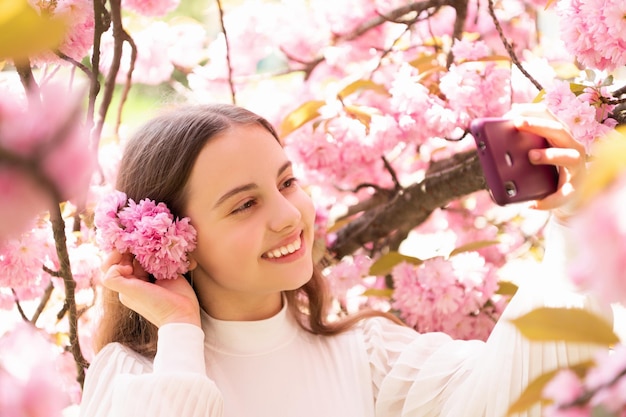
point(284, 250)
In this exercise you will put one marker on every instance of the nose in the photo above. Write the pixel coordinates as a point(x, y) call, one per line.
point(284, 215)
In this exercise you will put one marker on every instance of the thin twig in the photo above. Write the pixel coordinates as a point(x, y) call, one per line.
point(129, 78)
point(230, 67)
point(102, 21)
point(26, 76)
point(392, 172)
point(75, 63)
point(509, 47)
point(42, 303)
point(19, 306)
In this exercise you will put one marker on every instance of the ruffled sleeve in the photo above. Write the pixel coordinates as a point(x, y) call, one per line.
point(421, 375)
point(122, 383)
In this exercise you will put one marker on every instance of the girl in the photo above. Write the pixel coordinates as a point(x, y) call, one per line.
point(245, 334)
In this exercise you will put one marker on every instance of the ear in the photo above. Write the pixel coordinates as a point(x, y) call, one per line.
point(193, 264)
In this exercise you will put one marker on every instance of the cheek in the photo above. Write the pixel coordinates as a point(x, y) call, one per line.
point(224, 248)
point(306, 207)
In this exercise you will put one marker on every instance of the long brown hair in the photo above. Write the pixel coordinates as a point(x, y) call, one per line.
point(157, 163)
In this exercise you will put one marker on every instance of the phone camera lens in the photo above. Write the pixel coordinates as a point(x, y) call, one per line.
point(482, 146)
point(510, 188)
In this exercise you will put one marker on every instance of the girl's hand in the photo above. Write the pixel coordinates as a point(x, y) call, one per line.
point(565, 152)
point(165, 301)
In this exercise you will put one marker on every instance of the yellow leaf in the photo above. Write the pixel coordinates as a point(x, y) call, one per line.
point(375, 292)
point(491, 58)
point(567, 324)
point(607, 164)
point(539, 96)
point(362, 114)
point(506, 288)
point(533, 392)
point(548, 4)
point(360, 85)
point(577, 88)
point(24, 33)
point(473, 246)
point(566, 70)
point(424, 63)
point(303, 114)
point(339, 224)
point(385, 263)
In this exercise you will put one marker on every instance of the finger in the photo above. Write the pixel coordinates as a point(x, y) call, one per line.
point(127, 286)
point(564, 157)
point(139, 272)
point(556, 200)
point(554, 132)
point(112, 258)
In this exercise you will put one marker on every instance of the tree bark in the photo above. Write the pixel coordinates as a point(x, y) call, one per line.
point(457, 176)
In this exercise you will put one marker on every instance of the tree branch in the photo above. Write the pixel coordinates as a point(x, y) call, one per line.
point(58, 228)
point(411, 206)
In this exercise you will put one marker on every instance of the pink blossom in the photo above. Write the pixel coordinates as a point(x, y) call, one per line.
point(476, 89)
point(79, 17)
point(586, 119)
point(465, 50)
point(29, 377)
point(564, 388)
point(153, 65)
point(151, 7)
point(147, 230)
point(22, 200)
point(346, 275)
point(187, 44)
point(591, 28)
point(599, 231)
point(63, 164)
point(453, 295)
point(22, 260)
point(85, 260)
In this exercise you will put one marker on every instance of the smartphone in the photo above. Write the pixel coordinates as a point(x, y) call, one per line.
point(503, 153)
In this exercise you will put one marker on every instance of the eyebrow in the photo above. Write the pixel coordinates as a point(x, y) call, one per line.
point(248, 187)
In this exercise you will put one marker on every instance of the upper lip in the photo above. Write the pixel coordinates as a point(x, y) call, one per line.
point(286, 241)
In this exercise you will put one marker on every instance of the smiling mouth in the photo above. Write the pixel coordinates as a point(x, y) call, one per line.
point(284, 250)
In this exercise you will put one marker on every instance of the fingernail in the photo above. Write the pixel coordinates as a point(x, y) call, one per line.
point(534, 155)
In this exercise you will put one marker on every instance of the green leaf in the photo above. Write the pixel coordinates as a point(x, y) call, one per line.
point(360, 85)
point(568, 324)
point(376, 292)
point(473, 246)
point(506, 288)
point(533, 392)
point(385, 263)
point(303, 114)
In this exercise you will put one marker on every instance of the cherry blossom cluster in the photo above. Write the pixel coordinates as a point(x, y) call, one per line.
point(148, 230)
point(600, 244)
point(45, 154)
point(29, 374)
point(453, 295)
point(594, 31)
point(586, 115)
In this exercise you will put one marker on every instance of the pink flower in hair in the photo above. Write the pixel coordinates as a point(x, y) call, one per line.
point(148, 230)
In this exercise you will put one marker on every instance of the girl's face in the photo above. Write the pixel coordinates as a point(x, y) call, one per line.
point(254, 223)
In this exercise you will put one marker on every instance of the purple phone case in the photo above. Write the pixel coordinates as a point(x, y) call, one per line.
point(503, 152)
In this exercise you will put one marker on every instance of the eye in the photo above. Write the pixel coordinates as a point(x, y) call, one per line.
point(245, 206)
point(289, 183)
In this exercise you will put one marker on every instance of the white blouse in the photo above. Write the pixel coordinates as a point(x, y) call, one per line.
point(273, 368)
